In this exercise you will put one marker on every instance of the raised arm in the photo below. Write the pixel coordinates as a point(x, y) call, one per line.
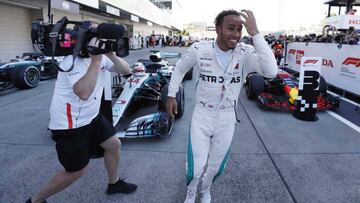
point(261, 59)
point(86, 84)
point(120, 65)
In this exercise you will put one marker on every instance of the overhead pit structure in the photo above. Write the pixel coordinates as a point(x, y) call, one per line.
point(340, 62)
point(348, 4)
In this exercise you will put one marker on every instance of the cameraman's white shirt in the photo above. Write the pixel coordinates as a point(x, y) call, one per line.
point(67, 110)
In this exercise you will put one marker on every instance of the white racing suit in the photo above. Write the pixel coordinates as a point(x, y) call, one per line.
point(217, 90)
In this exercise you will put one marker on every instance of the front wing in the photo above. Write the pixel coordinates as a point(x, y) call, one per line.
point(273, 101)
point(154, 125)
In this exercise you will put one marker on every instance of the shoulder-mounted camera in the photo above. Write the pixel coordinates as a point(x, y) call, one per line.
point(72, 38)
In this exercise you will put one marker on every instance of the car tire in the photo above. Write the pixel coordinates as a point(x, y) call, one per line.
point(163, 98)
point(53, 71)
point(323, 85)
point(254, 85)
point(189, 74)
point(180, 100)
point(25, 77)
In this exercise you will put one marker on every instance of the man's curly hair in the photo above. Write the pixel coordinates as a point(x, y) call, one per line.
point(220, 17)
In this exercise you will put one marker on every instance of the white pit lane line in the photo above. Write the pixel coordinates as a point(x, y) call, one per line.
point(342, 98)
point(340, 118)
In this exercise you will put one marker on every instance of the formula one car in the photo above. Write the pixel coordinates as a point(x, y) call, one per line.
point(281, 91)
point(157, 60)
point(141, 88)
point(26, 72)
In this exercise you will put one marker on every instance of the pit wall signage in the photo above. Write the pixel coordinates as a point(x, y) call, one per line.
point(340, 65)
point(309, 83)
point(344, 21)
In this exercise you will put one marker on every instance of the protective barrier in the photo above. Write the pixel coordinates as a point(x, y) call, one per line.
point(340, 62)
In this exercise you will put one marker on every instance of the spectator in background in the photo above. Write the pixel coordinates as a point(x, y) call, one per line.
point(167, 40)
point(163, 40)
point(351, 12)
point(160, 41)
point(152, 41)
point(278, 51)
point(351, 36)
point(180, 40)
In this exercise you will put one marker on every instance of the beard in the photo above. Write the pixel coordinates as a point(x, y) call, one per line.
point(227, 42)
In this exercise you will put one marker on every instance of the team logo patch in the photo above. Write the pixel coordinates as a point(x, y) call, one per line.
point(206, 59)
point(207, 54)
point(219, 79)
point(205, 64)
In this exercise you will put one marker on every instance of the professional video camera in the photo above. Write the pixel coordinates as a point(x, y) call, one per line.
point(61, 39)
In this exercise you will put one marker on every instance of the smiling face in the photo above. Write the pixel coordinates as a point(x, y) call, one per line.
point(229, 32)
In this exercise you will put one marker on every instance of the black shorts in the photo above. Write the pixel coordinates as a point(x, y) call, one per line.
point(75, 147)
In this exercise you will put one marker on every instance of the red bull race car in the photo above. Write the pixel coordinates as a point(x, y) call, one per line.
point(281, 92)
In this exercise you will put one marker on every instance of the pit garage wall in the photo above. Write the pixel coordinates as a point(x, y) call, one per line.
point(160, 19)
point(17, 15)
point(152, 13)
point(146, 30)
point(15, 27)
point(15, 24)
point(57, 15)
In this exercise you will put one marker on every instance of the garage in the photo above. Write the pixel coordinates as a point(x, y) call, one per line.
point(57, 15)
point(15, 29)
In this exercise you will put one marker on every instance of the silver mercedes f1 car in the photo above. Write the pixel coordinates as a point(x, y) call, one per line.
point(147, 85)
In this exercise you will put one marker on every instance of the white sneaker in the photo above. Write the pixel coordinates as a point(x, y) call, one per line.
point(205, 196)
point(190, 196)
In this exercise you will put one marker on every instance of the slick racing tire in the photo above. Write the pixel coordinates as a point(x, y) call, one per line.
point(323, 86)
point(180, 100)
point(254, 85)
point(25, 77)
point(53, 71)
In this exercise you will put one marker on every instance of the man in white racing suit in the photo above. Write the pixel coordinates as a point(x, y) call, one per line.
point(223, 66)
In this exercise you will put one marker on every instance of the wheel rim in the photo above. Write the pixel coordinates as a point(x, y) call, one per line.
point(32, 77)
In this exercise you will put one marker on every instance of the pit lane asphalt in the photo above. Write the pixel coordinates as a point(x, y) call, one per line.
point(274, 157)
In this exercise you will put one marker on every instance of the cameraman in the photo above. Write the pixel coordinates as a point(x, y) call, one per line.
point(77, 126)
